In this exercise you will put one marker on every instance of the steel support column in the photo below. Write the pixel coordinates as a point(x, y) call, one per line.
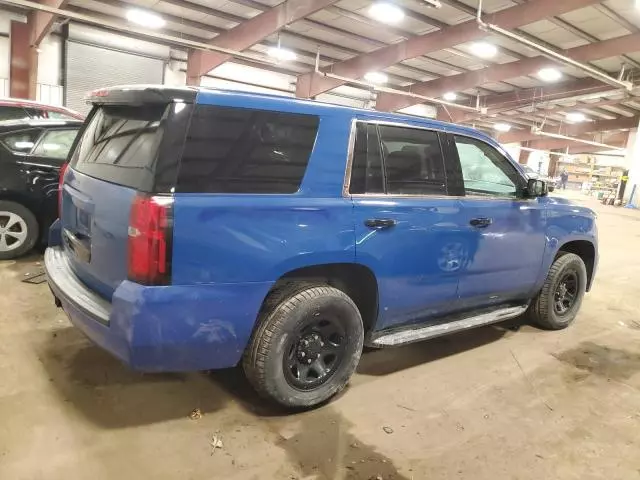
point(23, 63)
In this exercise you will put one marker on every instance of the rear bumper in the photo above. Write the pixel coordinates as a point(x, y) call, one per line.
point(171, 328)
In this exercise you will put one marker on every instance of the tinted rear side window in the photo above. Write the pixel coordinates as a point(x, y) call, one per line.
point(413, 161)
point(240, 150)
point(120, 144)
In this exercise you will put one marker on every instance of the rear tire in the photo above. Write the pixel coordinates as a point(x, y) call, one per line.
point(19, 230)
point(558, 303)
point(306, 347)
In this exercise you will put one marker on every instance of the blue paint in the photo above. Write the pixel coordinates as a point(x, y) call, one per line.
point(229, 250)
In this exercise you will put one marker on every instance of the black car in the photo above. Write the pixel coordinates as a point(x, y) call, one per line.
point(31, 155)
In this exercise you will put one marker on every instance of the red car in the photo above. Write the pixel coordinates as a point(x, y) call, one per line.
point(18, 109)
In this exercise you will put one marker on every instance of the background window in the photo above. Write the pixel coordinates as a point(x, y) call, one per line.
point(239, 150)
point(12, 113)
point(366, 170)
point(414, 163)
point(56, 143)
point(22, 141)
point(484, 169)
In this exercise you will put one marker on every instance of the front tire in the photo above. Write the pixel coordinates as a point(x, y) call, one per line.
point(558, 303)
point(306, 346)
point(18, 230)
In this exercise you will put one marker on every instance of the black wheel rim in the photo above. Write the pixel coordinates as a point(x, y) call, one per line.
point(314, 352)
point(566, 292)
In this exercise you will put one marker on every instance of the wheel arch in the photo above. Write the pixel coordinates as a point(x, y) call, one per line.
point(586, 250)
point(355, 280)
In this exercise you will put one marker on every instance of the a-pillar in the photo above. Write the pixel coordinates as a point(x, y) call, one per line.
point(23, 62)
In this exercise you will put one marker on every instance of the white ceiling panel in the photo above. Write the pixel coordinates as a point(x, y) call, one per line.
point(551, 33)
point(424, 64)
point(377, 36)
point(490, 6)
point(595, 23)
point(524, 82)
point(331, 37)
point(497, 87)
point(611, 65)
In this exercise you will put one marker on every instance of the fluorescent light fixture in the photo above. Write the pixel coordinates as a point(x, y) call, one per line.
point(386, 12)
point(450, 97)
point(576, 117)
point(549, 75)
point(502, 127)
point(282, 54)
point(145, 18)
point(376, 77)
point(484, 49)
point(23, 145)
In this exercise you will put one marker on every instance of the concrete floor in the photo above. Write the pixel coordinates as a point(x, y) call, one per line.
point(487, 404)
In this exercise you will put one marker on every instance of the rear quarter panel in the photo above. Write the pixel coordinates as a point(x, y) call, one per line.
point(234, 238)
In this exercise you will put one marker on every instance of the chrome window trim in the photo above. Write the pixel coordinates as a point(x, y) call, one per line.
point(346, 184)
point(350, 153)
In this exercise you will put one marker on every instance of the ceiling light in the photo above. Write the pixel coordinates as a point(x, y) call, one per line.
point(549, 74)
point(386, 12)
point(376, 77)
point(282, 54)
point(145, 18)
point(450, 97)
point(484, 50)
point(502, 127)
point(576, 117)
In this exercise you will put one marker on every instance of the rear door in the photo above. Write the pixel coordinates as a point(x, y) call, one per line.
point(507, 229)
point(404, 224)
point(125, 148)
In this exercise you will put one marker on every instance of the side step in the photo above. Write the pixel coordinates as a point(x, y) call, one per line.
point(418, 333)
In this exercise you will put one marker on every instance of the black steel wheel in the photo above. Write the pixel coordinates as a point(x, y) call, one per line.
point(566, 292)
point(559, 300)
point(306, 346)
point(315, 352)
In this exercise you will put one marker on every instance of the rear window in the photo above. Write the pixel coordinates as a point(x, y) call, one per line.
point(12, 113)
point(22, 141)
point(120, 145)
point(239, 150)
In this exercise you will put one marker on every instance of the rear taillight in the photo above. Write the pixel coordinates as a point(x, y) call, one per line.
point(150, 234)
point(63, 169)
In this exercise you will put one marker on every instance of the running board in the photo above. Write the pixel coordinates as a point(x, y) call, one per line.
point(418, 333)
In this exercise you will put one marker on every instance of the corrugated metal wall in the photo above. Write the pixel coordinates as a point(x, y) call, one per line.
point(89, 67)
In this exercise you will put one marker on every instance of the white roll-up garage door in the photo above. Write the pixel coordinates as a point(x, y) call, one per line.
point(89, 67)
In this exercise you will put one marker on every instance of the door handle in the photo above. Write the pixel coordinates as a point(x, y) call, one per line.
point(380, 223)
point(481, 222)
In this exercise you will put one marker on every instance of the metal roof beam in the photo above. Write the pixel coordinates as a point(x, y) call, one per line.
point(312, 84)
point(575, 130)
point(249, 33)
point(40, 23)
point(503, 71)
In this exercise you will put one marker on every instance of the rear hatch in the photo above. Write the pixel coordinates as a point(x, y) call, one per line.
point(128, 150)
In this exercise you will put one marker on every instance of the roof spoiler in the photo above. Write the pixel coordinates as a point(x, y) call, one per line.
point(141, 95)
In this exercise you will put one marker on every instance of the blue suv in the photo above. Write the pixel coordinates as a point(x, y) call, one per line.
point(202, 229)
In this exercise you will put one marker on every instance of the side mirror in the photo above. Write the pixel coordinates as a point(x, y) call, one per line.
point(536, 188)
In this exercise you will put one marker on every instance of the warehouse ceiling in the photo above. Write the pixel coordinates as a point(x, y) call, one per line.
point(432, 51)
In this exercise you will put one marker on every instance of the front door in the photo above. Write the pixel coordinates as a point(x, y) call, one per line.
point(507, 230)
point(404, 222)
